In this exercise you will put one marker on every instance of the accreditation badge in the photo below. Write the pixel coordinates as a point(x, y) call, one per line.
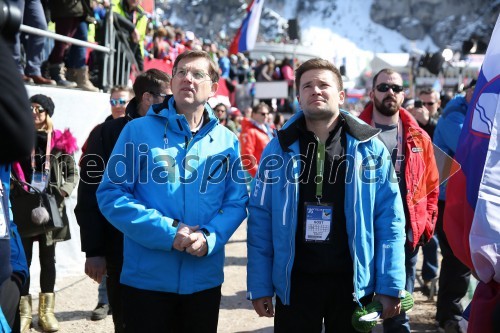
point(39, 181)
point(318, 222)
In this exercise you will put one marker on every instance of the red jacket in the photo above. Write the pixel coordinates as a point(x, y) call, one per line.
point(253, 140)
point(421, 175)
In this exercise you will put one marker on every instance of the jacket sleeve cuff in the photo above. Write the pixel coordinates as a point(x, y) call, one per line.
point(256, 294)
point(95, 253)
point(210, 237)
point(390, 291)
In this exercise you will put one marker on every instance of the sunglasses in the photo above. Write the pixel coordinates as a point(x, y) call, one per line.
point(428, 103)
point(384, 87)
point(38, 109)
point(264, 113)
point(119, 101)
point(157, 94)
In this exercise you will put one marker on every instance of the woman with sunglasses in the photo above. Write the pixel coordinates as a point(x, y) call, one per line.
point(62, 179)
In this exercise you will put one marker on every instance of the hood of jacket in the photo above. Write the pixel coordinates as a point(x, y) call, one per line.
point(353, 126)
point(131, 109)
point(457, 104)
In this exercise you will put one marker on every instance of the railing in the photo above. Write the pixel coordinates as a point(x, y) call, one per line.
point(118, 61)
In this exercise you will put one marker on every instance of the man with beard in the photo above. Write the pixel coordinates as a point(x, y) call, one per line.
point(413, 159)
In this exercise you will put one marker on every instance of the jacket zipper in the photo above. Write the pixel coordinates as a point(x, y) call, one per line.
point(288, 278)
point(286, 203)
point(225, 161)
point(355, 269)
point(355, 282)
point(263, 195)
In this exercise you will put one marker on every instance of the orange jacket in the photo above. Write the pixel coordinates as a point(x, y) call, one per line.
point(253, 140)
point(422, 178)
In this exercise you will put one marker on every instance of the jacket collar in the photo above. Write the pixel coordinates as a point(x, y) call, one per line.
point(131, 110)
point(353, 126)
point(177, 122)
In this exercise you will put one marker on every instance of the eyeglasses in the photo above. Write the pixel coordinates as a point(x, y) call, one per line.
point(157, 94)
point(119, 101)
point(384, 87)
point(197, 75)
point(38, 109)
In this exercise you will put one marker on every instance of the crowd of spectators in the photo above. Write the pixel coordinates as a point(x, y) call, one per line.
point(150, 39)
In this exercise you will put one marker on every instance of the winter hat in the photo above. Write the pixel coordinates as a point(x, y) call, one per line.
point(235, 112)
point(45, 101)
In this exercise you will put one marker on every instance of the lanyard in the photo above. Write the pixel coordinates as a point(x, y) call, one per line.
point(320, 170)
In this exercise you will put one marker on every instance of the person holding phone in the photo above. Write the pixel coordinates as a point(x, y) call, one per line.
point(427, 110)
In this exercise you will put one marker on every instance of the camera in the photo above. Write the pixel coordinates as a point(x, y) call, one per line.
point(418, 104)
point(10, 19)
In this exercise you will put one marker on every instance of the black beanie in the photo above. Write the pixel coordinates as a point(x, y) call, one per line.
point(45, 101)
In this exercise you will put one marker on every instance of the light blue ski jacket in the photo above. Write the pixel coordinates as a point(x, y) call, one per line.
point(373, 208)
point(159, 172)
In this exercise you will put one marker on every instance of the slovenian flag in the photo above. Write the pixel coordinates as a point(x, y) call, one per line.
point(472, 214)
point(247, 34)
point(473, 193)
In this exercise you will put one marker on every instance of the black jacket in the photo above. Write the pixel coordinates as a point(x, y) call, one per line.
point(98, 236)
point(17, 131)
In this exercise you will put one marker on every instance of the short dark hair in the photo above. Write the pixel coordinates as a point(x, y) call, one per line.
point(150, 80)
point(213, 69)
point(121, 88)
point(318, 63)
point(388, 71)
point(219, 105)
point(261, 106)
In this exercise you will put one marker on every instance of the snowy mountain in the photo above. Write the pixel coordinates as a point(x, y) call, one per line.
point(374, 25)
point(347, 30)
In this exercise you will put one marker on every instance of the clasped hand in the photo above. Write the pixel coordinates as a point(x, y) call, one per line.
point(191, 240)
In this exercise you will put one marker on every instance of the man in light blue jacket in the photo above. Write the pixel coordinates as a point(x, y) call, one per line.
point(175, 188)
point(326, 222)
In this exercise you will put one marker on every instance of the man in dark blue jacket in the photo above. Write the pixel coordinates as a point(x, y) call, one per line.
point(16, 140)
